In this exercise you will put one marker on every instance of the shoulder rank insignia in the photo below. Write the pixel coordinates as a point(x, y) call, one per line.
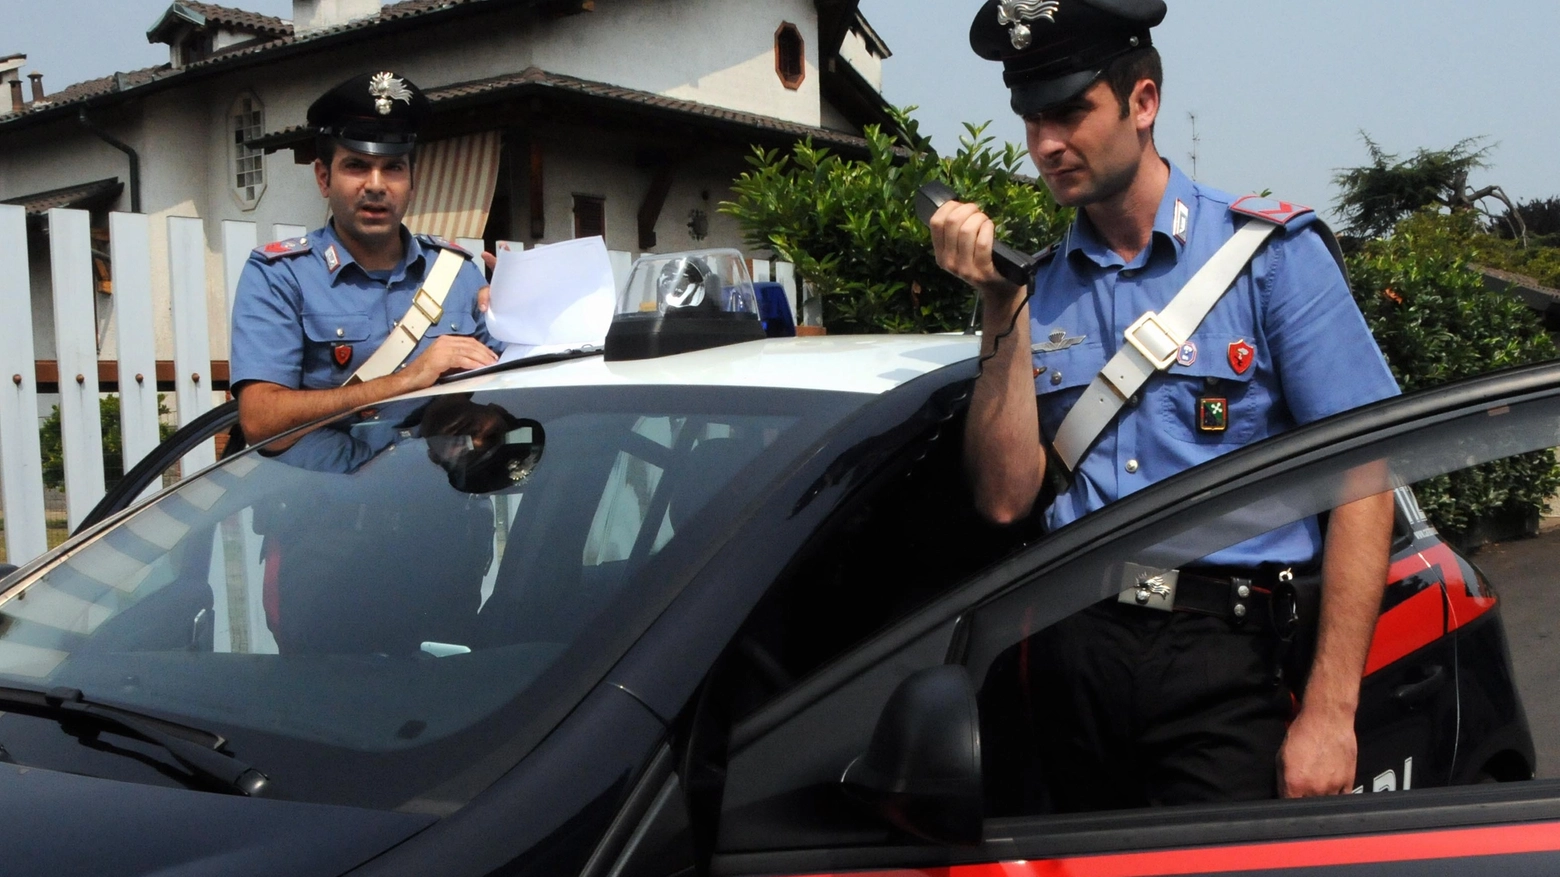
point(1269, 209)
point(434, 240)
point(283, 248)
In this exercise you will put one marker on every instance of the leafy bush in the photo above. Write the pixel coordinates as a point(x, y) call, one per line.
point(1437, 323)
point(113, 445)
point(850, 226)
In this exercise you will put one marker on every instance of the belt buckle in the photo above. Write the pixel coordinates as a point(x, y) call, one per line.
point(1147, 586)
point(432, 310)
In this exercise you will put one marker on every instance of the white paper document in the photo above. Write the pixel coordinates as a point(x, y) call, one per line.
point(552, 298)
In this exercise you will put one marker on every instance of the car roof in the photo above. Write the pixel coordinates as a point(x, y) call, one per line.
point(870, 364)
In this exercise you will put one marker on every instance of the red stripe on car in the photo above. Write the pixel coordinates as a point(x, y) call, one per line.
point(1408, 847)
point(1410, 625)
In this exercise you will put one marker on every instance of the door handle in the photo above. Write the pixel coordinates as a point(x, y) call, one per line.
point(1411, 694)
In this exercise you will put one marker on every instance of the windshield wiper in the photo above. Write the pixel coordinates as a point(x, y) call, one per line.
point(203, 759)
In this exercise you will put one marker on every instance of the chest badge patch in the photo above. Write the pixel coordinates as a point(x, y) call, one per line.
point(1058, 341)
point(1183, 218)
point(1242, 355)
point(342, 354)
point(1213, 414)
point(1187, 355)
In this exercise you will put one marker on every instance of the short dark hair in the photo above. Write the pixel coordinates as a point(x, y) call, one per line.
point(1126, 71)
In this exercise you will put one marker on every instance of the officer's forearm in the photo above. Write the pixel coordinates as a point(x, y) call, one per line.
point(1002, 436)
point(1354, 573)
point(266, 410)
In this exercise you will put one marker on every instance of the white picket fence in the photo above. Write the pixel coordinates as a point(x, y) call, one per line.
point(135, 320)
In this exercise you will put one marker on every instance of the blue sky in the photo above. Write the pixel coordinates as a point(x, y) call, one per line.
point(1281, 89)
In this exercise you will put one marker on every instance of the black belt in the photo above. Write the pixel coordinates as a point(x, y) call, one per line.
point(1260, 598)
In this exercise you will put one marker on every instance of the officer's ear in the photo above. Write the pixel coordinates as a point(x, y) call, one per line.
point(1143, 106)
point(322, 176)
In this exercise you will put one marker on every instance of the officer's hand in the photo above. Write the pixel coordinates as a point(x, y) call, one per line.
point(1318, 756)
point(484, 296)
point(447, 353)
point(962, 236)
point(491, 261)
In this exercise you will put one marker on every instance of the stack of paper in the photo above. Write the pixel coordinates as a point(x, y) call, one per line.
point(552, 299)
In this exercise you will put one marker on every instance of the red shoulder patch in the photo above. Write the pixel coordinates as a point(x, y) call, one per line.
point(1269, 209)
point(286, 247)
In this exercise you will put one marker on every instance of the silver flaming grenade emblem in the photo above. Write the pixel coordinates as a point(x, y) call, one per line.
point(1151, 586)
point(385, 87)
point(1016, 14)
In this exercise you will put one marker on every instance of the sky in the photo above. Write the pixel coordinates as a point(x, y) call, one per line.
point(1281, 90)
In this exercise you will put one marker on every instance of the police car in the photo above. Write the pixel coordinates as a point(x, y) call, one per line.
point(719, 611)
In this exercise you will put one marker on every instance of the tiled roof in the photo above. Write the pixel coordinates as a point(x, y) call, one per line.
point(536, 77)
point(82, 194)
point(101, 85)
point(265, 24)
point(240, 18)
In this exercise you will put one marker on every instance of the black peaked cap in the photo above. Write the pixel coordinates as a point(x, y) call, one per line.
point(374, 113)
point(1052, 50)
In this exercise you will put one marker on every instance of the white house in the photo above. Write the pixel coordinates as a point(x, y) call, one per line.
point(553, 119)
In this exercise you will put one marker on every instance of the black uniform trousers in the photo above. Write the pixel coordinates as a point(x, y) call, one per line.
point(1137, 707)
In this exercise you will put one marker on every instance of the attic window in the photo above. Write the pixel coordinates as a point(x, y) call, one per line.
point(790, 56)
point(246, 121)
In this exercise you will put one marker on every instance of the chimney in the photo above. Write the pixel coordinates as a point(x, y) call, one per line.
point(37, 85)
point(314, 15)
point(10, 75)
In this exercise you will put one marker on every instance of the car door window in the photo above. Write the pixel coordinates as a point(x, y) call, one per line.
point(1458, 688)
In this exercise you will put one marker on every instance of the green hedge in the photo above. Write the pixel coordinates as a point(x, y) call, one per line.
point(850, 225)
point(1436, 323)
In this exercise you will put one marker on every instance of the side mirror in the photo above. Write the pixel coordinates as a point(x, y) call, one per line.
point(922, 772)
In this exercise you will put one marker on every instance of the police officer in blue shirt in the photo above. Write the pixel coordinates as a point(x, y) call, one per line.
point(310, 311)
point(1158, 707)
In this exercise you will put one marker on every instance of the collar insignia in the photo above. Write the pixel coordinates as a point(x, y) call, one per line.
point(387, 87)
point(1015, 14)
point(332, 261)
point(1059, 341)
point(1183, 216)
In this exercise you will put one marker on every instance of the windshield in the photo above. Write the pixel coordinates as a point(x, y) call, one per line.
point(372, 612)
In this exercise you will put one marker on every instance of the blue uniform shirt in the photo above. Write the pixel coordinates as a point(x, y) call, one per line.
point(1290, 312)
point(300, 302)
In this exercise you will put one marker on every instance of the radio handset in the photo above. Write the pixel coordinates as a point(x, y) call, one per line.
point(1016, 267)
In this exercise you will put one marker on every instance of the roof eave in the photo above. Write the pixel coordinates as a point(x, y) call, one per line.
point(256, 55)
point(170, 19)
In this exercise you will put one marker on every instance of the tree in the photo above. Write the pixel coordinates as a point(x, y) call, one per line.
point(1376, 197)
point(850, 225)
point(1541, 217)
point(113, 446)
point(1436, 322)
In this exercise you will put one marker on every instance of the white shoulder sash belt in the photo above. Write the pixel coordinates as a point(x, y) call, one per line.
point(1153, 342)
point(427, 309)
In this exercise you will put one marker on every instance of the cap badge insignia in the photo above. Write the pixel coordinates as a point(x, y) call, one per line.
point(1015, 14)
point(1058, 341)
point(387, 87)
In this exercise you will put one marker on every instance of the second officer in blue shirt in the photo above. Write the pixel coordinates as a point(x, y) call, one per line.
point(310, 312)
point(1144, 706)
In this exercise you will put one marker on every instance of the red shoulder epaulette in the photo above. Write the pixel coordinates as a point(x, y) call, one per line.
point(283, 248)
point(1269, 209)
